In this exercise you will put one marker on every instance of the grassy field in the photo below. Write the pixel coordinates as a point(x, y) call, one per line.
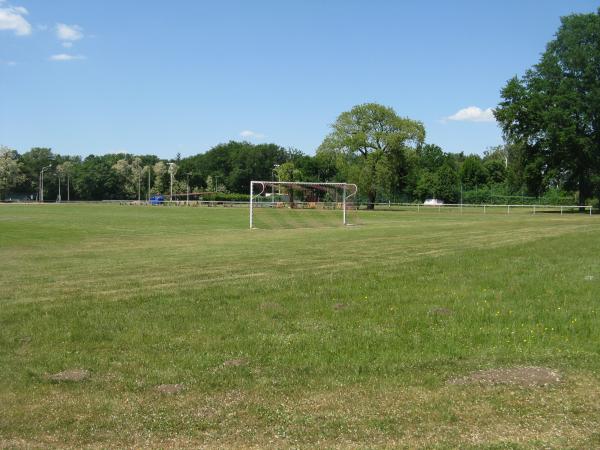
point(295, 337)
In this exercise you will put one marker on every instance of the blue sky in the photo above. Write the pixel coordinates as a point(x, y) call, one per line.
point(162, 77)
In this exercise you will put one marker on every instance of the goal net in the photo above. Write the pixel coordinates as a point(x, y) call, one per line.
point(287, 204)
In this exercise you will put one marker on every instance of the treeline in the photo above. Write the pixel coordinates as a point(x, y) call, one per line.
point(227, 169)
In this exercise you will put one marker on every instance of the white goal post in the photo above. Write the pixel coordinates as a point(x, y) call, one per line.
point(258, 188)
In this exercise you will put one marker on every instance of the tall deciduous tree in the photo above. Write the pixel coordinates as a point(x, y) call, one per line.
point(160, 169)
point(10, 173)
point(371, 139)
point(554, 110)
point(289, 172)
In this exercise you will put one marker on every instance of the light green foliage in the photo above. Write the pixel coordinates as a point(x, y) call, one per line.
point(289, 172)
point(369, 139)
point(131, 173)
point(333, 332)
point(9, 170)
point(210, 186)
point(160, 169)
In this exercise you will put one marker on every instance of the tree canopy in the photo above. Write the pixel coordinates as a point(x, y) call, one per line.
point(553, 112)
point(370, 141)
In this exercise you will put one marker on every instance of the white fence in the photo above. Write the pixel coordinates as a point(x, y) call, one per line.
point(417, 207)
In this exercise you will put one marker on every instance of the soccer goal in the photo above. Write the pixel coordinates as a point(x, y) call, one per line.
point(306, 203)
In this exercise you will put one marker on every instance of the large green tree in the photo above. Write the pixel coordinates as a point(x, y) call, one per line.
point(371, 140)
point(553, 111)
point(10, 174)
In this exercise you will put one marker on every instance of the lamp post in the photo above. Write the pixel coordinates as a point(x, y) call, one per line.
point(148, 193)
point(42, 182)
point(171, 173)
point(59, 199)
point(140, 185)
point(278, 179)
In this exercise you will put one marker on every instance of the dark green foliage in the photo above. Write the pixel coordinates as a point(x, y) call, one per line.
point(473, 173)
point(553, 112)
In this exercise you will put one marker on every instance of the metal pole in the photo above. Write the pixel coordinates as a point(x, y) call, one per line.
point(187, 195)
point(171, 173)
point(272, 186)
point(344, 204)
point(59, 189)
point(68, 188)
point(251, 195)
point(140, 186)
point(148, 185)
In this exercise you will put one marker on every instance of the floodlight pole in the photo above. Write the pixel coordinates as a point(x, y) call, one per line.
point(187, 195)
point(140, 186)
point(171, 173)
point(273, 186)
point(148, 194)
point(42, 182)
point(278, 179)
point(59, 199)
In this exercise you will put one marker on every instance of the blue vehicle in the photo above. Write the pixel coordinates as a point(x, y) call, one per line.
point(157, 200)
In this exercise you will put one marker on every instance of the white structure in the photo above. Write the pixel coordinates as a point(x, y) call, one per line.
point(340, 191)
point(433, 202)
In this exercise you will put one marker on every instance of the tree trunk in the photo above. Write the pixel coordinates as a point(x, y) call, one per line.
point(371, 199)
point(584, 191)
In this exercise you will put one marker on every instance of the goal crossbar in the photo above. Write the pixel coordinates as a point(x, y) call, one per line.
point(349, 190)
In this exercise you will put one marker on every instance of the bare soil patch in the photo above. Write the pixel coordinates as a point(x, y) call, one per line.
point(340, 306)
point(271, 306)
point(170, 388)
point(235, 362)
point(440, 311)
point(519, 376)
point(70, 375)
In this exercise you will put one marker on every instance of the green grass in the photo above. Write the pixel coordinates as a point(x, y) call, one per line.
point(334, 326)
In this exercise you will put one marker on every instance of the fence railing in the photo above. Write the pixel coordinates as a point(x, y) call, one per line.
point(389, 206)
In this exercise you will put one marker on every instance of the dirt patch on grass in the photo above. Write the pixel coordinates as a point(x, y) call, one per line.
point(440, 311)
point(519, 376)
point(339, 306)
point(235, 362)
point(170, 389)
point(271, 306)
point(70, 375)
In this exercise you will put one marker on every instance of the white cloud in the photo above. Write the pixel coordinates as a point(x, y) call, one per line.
point(473, 114)
point(65, 57)
point(251, 134)
point(12, 19)
point(68, 32)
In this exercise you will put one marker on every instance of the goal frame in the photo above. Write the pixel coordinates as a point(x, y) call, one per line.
point(349, 190)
